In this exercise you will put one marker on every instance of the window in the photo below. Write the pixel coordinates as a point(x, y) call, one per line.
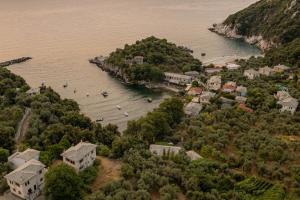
point(41, 179)
point(17, 184)
point(81, 160)
point(19, 192)
point(34, 187)
point(40, 171)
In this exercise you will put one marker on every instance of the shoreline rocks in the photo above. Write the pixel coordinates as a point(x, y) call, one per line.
point(229, 32)
point(14, 61)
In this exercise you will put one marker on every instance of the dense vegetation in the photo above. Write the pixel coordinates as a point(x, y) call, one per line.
point(159, 56)
point(276, 20)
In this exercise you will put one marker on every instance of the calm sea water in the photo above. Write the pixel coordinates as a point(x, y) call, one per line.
point(61, 35)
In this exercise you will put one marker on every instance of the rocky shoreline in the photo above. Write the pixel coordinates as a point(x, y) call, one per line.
point(14, 61)
point(229, 32)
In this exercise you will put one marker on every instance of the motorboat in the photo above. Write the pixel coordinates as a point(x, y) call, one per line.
point(104, 93)
point(126, 114)
point(149, 100)
point(119, 107)
point(100, 119)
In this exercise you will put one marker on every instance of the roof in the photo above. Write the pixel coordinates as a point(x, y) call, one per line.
point(232, 66)
point(177, 75)
point(25, 172)
point(240, 99)
point(282, 67)
point(241, 89)
point(245, 108)
point(26, 155)
point(266, 68)
point(208, 94)
point(193, 155)
point(79, 151)
point(195, 90)
point(281, 95)
point(215, 79)
point(161, 149)
point(291, 102)
point(33, 91)
point(251, 71)
point(192, 73)
point(193, 108)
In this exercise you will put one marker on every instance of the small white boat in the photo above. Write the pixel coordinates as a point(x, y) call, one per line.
point(104, 93)
point(119, 107)
point(87, 94)
point(126, 114)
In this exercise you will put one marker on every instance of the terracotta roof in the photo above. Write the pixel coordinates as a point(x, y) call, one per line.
point(245, 108)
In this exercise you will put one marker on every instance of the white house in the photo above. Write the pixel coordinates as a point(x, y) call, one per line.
point(19, 158)
point(80, 156)
point(214, 83)
point(192, 109)
point(265, 71)
point(179, 79)
point(280, 68)
point(281, 95)
point(206, 96)
point(163, 150)
point(241, 90)
point(193, 155)
point(27, 181)
point(138, 60)
point(229, 86)
point(33, 91)
point(232, 66)
point(289, 104)
point(251, 74)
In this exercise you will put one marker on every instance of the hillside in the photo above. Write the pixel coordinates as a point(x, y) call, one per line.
point(159, 56)
point(267, 23)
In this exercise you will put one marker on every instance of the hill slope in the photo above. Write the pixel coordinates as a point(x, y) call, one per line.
point(267, 23)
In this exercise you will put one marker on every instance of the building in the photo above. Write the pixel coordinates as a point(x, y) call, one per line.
point(214, 83)
point(196, 100)
point(206, 96)
point(164, 150)
point(33, 91)
point(289, 104)
point(80, 156)
point(232, 66)
point(138, 60)
point(281, 95)
point(240, 99)
point(178, 79)
point(212, 70)
point(280, 68)
point(229, 87)
point(19, 158)
point(241, 90)
point(243, 107)
point(265, 71)
point(192, 109)
point(193, 155)
point(27, 181)
point(193, 74)
point(194, 91)
point(251, 74)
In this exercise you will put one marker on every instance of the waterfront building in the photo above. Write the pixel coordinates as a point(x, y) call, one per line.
point(80, 156)
point(178, 79)
point(232, 66)
point(27, 181)
point(33, 91)
point(214, 83)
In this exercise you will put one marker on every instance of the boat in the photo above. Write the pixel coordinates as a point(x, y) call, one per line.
point(75, 91)
point(126, 114)
point(100, 119)
point(104, 93)
point(203, 54)
point(119, 107)
point(87, 94)
point(149, 100)
point(65, 85)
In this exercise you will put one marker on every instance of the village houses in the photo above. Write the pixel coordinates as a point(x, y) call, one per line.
point(33, 91)
point(280, 68)
point(19, 158)
point(206, 96)
point(27, 181)
point(178, 79)
point(251, 74)
point(80, 156)
point(193, 74)
point(194, 91)
point(241, 90)
point(229, 87)
point(289, 104)
point(265, 71)
point(164, 150)
point(214, 83)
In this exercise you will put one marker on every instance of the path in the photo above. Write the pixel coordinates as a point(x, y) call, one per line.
point(23, 126)
point(109, 170)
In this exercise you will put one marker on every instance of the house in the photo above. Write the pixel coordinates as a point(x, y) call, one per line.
point(164, 150)
point(138, 60)
point(194, 91)
point(280, 68)
point(265, 71)
point(192, 109)
point(229, 87)
point(226, 103)
point(193, 74)
point(196, 100)
point(241, 90)
point(206, 96)
point(27, 181)
point(19, 158)
point(178, 79)
point(33, 91)
point(281, 95)
point(251, 74)
point(289, 104)
point(243, 107)
point(193, 155)
point(212, 70)
point(240, 99)
point(232, 66)
point(80, 156)
point(214, 83)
